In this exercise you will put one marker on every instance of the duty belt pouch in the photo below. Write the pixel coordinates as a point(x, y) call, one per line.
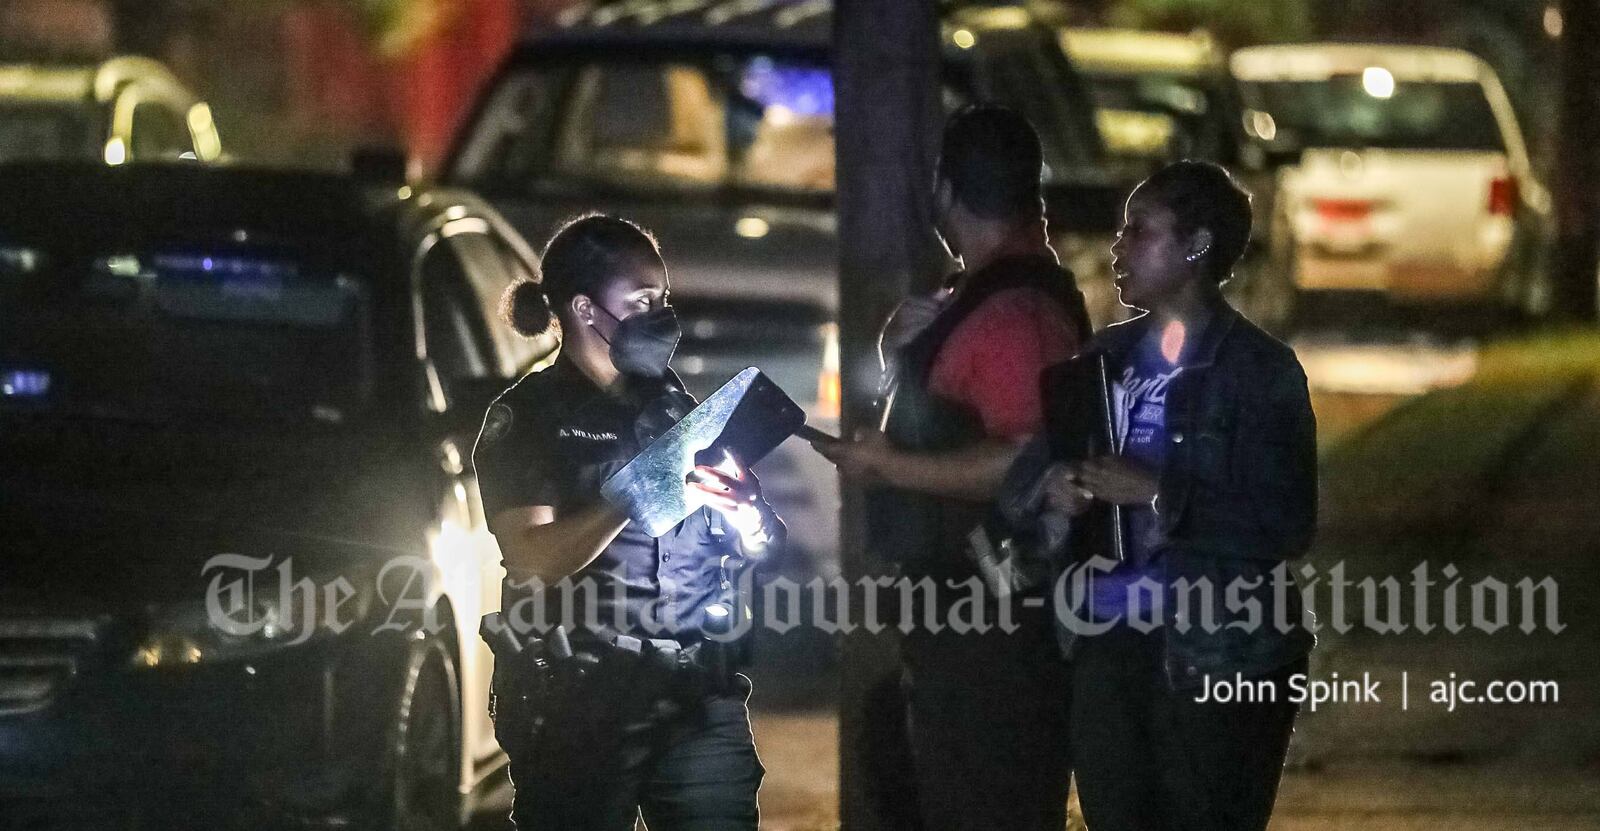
point(517, 681)
point(507, 649)
point(525, 666)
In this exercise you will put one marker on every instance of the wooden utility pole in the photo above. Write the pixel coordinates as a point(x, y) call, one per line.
point(1576, 259)
point(888, 114)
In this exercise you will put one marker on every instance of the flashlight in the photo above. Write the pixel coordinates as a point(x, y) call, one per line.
point(718, 618)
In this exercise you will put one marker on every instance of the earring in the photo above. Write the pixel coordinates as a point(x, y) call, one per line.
point(1195, 256)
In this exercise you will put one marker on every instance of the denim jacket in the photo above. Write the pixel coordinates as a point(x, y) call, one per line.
point(1237, 498)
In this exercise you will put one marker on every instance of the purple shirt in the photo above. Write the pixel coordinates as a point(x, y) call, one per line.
point(1142, 433)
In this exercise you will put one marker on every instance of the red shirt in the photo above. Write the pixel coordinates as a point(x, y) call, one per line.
point(991, 363)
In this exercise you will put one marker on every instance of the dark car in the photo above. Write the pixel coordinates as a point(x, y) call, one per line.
point(713, 127)
point(245, 558)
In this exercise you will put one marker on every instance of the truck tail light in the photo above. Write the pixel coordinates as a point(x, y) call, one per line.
point(1503, 196)
point(1342, 210)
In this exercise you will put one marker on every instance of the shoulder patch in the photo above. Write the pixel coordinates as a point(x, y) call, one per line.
point(497, 423)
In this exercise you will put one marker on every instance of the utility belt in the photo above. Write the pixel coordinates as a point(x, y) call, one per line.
point(684, 670)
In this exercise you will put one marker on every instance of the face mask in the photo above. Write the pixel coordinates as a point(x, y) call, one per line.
point(642, 344)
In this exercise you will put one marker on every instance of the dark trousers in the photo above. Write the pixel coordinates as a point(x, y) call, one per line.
point(1149, 758)
point(599, 752)
point(987, 717)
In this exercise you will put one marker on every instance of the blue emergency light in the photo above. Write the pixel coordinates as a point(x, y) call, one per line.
point(24, 383)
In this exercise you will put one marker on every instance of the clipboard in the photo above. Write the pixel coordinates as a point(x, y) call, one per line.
point(1119, 545)
point(749, 415)
point(1080, 424)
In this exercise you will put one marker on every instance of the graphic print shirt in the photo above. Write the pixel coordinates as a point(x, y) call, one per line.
point(1141, 391)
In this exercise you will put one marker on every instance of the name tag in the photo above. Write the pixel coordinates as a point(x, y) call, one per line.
point(575, 433)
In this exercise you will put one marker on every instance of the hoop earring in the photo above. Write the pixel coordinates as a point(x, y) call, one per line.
point(1195, 256)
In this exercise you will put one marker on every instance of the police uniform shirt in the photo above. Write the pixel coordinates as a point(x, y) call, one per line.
point(552, 439)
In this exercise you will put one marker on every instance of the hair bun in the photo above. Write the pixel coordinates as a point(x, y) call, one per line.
point(526, 309)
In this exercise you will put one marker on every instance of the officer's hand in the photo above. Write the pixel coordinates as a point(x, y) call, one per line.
point(1118, 481)
point(734, 491)
point(727, 485)
point(1063, 493)
point(863, 458)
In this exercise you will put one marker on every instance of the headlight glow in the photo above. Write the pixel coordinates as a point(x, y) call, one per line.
point(15, 259)
point(184, 634)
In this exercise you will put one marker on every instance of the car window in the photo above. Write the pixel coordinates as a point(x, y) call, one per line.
point(492, 266)
point(1157, 116)
point(651, 122)
point(221, 333)
point(1374, 110)
point(159, 133)
point(754, 122)
point(454, 335)
point(510, 139)
point(1032, 76)
point(781, 124)
point(748, 121)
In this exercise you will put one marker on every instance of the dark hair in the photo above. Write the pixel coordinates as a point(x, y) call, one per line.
point(1205, 195)
point(992, 159)
point(583, 255)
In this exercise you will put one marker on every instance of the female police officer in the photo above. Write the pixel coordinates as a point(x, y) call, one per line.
point(640, 718)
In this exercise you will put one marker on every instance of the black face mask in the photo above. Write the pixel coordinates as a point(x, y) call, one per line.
point(642, 344)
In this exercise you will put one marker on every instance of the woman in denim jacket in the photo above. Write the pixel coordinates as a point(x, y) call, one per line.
point(1214, 467)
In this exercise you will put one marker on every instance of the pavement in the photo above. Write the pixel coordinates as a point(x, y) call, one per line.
point(1498, 480)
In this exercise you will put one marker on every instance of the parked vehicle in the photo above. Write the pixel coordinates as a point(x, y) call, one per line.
point(245, 556)
point(122, 110)
point(1158, 96)
point(1407, 177)
point(714, 128)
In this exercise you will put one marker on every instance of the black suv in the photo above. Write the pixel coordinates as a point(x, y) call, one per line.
point(245, 557)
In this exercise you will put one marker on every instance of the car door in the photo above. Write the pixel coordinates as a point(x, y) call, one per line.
point(463, 362)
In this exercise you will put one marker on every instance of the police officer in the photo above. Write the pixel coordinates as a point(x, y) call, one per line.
point(631, 707)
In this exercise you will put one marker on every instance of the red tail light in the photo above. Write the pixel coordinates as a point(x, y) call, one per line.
point(1503, 196)
point(1342, 210)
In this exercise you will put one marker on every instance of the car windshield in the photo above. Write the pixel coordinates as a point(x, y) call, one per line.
point(31, 130)
point(217, 335)
point(1373, 109)
point(1155, 116)
point(747, 122)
